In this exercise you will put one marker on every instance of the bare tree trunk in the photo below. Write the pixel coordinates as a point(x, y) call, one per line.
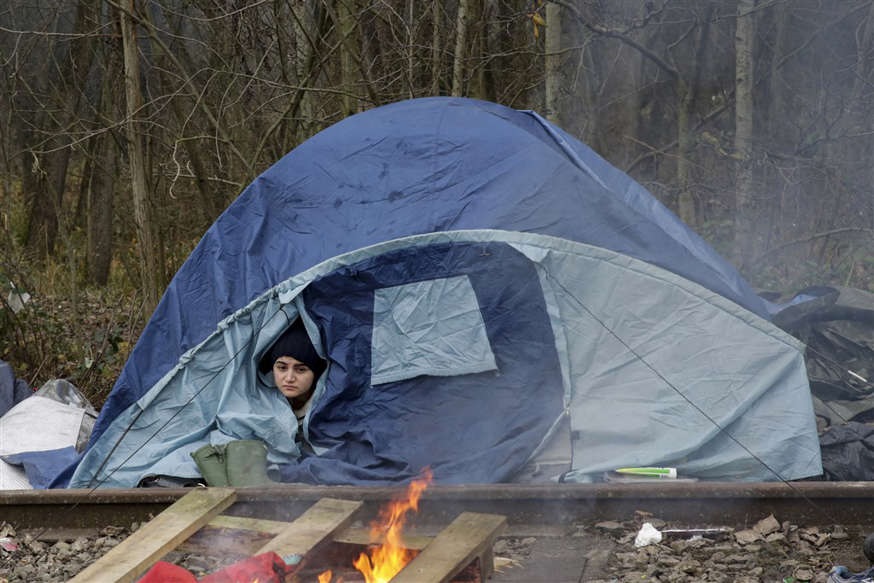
point(348, 55)
point(73, 61)
point(104, 169)
point(149, 259)
point(552, 79)
point(411, 47)
point(858, 114)
point(744, 232)
point(477, 33)
point(210, 207)
point(774, 126)
point(590, 90)
point(304, 44)
point(687, 92)
point(436, 46)
point(460, 41)
point(490, 46)
point(101, 207)
point(685, 142)
point(38, 203)
point(863, 79)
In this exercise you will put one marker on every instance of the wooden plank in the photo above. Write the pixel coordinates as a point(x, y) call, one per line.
point(273, 527)
point(134, 555)
point(471, 535)
point(348, 535)
point(320, 521)
point(361, 536)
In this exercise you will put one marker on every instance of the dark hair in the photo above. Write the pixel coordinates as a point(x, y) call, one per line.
point(294, 342)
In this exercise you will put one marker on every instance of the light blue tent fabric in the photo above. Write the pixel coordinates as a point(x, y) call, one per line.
point(418, 167)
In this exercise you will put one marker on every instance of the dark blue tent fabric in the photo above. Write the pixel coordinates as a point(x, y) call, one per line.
point(42, 467)
point(417, 166)
point(466, 428)
point(12, 390)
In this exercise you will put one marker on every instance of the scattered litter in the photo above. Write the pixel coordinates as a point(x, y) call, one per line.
point(631, 478)
point(650, 472)
point(15, 299)
point(647, 535)
point(8, 544)
point(841, 574)
point(504, 563)
point(693, 533)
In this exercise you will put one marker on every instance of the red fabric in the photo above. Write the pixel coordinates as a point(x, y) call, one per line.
point(265, 568)
point(164, 572)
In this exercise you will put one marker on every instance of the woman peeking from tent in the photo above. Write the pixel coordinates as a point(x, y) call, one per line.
point(296, 369)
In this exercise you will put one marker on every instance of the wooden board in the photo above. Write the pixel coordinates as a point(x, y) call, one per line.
point(319, 522)
point(471, 535)
point(273, 527)
point(348, 535)
point(134, 555)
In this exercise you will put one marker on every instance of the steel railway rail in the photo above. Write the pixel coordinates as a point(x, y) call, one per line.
point(810, 503)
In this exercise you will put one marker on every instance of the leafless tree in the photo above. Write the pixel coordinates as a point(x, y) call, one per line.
point(756, 141)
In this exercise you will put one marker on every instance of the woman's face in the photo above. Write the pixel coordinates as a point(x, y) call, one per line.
point(293, 378)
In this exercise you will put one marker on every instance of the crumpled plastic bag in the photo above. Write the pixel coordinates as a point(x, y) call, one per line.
point(841, 574)
point(63, 391)
point(647, 535)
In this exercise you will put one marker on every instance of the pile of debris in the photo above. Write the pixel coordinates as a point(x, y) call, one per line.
point(649, 549)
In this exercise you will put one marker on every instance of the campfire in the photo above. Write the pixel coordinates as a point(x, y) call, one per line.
point(388, 553)
point(320, 544)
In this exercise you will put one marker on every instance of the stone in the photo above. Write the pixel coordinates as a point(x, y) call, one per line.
point(746, 537)
point(767, 525)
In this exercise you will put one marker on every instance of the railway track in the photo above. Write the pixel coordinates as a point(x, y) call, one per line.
point(556, 520)
point(813, 503)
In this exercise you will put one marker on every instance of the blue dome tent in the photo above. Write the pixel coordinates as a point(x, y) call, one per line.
point(487, 292)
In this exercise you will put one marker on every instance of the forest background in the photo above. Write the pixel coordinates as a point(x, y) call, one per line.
point(127, 126)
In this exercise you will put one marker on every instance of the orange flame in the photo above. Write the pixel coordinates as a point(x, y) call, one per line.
point(326, 576)
point(386, 560)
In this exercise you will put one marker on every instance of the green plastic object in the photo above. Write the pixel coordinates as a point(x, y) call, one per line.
point(236, 464)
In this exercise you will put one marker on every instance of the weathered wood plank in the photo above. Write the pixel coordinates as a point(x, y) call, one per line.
point(245, 523)
point(361, 536)
point(319, 522)
point(134, 555)
point(471, 535)
point(347, 535)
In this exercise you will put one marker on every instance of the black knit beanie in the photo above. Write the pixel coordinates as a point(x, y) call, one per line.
point(294, 342)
